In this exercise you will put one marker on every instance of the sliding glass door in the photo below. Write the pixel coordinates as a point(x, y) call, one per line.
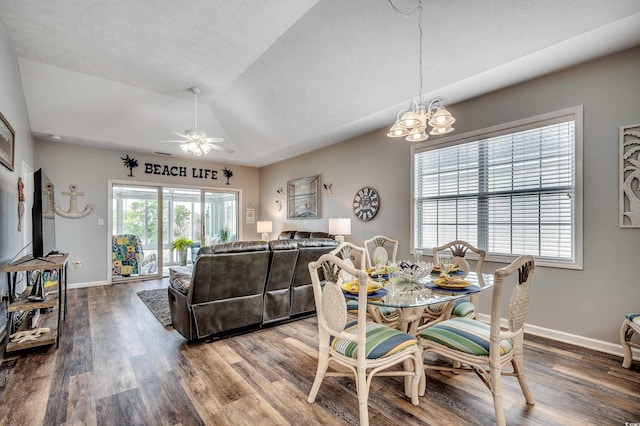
point(135, 240)
point(146, 241)
point(203, 217)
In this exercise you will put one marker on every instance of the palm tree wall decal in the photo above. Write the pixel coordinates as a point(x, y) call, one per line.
point(130, 163)
point(631, 174)
point(227, 174)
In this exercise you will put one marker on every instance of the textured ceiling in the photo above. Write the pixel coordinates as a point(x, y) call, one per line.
point(282, 77)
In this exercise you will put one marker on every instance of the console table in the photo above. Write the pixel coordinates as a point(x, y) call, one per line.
point(53, 299)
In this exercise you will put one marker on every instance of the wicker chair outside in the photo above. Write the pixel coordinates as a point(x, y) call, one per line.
point(485, 348)
point(366, 349)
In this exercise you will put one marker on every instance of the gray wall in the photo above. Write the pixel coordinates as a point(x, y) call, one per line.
point(92, 168)
point(586, 304)
point(13, 108)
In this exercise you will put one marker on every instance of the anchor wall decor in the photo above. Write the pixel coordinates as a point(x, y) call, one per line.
point(73, 212)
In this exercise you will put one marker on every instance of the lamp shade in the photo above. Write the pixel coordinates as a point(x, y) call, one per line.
point(340, 226)
point(265, 226)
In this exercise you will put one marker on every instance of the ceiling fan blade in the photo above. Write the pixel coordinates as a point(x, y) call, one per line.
point(214, 140)
point(173, 141)
point(182, 135)
point(222, 148)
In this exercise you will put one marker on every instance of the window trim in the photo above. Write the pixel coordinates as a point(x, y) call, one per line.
point(577, 113)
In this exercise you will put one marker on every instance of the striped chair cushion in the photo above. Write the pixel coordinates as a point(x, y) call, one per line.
point(464, 308)
point(464, 335)
point(352, 308)
point(634, 318)
point(382, 341)
point(461, 308)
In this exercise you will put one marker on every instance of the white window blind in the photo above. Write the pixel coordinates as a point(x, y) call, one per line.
point(509, 192)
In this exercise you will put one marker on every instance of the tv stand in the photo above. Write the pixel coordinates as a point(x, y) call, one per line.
point(53, 299)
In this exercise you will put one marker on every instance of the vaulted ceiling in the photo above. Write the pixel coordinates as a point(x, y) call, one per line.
point(282, 77)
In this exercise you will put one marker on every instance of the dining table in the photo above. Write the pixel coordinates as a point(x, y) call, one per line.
point(412, 297)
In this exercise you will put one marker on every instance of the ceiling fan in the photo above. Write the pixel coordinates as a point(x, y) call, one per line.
point(195, 141)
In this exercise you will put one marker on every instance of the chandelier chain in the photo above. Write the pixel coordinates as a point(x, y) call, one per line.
point(420, 42)
point(405, 13)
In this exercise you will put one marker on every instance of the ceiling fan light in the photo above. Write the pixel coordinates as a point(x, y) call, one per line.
point(441, 118)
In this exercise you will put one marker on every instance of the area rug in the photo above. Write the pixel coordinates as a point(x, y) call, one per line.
point(6, 368)
point(157, 301)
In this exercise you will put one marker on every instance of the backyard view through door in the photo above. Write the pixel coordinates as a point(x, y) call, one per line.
point(194, 218)
point(147, 241)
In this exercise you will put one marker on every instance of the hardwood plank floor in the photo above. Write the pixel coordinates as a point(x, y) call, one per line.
point(116, 365)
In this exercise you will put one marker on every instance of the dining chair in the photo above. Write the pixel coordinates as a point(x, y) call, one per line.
point(364, 348)
point(485, 348)
point(381, 248)
point(630, 326)
point(458, 250)
point(381, 314)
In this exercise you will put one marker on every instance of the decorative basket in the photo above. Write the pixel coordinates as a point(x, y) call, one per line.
point(409, 271)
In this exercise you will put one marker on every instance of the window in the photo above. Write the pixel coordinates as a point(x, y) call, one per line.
point(510, 190)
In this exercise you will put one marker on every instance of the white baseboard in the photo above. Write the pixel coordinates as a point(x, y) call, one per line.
point(89, 284)
point(572, 339)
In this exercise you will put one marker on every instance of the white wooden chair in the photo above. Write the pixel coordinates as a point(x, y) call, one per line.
point(366, 349)
point(630, 326)
point(381, 248)
point(485, 348)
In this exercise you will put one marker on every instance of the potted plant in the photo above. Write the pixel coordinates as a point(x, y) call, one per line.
point(180, 244)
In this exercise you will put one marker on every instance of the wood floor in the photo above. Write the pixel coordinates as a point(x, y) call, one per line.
point(116, 365)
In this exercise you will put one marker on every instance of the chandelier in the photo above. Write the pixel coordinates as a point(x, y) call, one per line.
point(412, 123)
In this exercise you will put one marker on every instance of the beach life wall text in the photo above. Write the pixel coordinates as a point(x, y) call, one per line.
point(177, 171)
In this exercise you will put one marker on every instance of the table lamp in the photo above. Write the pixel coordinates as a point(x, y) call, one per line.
point(340, 227)
point(265, 226)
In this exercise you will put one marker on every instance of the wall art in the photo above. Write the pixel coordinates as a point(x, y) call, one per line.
point(303, 198)
point(7, 143)
point(629, 176)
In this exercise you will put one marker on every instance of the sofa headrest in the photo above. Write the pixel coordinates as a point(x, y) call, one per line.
point(286, 235)
point(317, 242)
point(240, 246)
point(283, 244)
point(301, 235)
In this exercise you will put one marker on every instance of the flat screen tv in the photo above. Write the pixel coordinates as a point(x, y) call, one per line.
point(43, 215)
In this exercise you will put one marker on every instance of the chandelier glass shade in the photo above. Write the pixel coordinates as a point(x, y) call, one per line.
point(413, 123)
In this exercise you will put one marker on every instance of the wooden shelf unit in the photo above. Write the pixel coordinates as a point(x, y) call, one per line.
point(55, 298)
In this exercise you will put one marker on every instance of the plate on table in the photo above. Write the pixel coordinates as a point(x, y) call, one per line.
point(379, 273)
point(353, 287)
point(453, 270)
point(373, 295)
point(454, 284)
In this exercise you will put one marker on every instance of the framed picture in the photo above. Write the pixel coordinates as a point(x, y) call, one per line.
point(7, 143)
point(629, 176)
point(251, 216)
point(303, 198)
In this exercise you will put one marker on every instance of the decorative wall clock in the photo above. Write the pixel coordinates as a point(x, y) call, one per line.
point(366, 203)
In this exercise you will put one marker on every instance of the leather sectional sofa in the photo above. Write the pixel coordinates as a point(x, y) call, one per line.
point(240, 286)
